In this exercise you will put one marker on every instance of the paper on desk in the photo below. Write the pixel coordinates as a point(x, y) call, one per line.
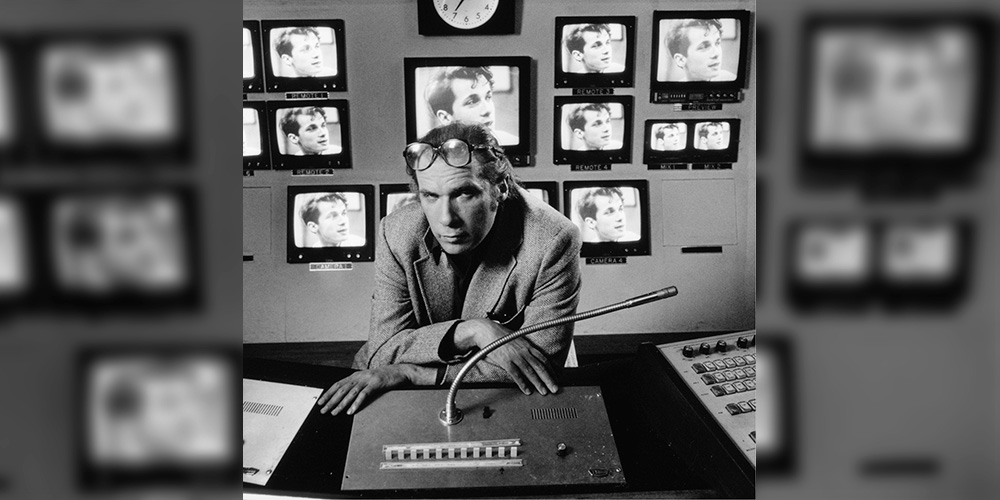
point(272, 415)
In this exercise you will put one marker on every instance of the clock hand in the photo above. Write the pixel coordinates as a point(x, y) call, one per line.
point(459, 5)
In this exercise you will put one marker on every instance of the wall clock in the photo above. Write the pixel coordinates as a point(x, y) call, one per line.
point(465, 17)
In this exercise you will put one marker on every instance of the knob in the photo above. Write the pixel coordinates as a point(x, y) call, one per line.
point(562, 449)
point(742, 342)
point(705, 348)
point(688, 351)
point(721, 346)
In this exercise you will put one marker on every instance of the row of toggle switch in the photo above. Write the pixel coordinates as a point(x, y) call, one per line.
point(720, 346)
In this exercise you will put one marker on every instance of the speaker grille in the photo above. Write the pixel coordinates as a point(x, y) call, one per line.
point(553, 413)
point(262, 408)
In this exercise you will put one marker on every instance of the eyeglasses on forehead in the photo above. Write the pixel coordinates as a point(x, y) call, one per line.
point(455, 152)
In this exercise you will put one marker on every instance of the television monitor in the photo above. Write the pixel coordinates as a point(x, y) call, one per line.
point(898, 101)
point(595, 51)
point(114, 96)
point(699, 55)
point(129, 249)
point(331, 223)
point(155, 415)
point(613, 216)
point(776, 405)
point(831, 263)
point(691, 141)
point(305, 55)
point(10, 147)
point(924, 263)
point(547, 191)
point(495, 91)
point(253, 69)
point(592, 130)
point(392, 197)
point(15, 249)
point(256, 146)
point(309, 134)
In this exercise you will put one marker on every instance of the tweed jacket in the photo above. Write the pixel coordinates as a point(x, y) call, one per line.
point(529, 273)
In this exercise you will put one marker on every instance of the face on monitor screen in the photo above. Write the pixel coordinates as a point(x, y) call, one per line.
point(13, 254)
point(329, 220)
point(303, 51)
point(607, 214)
point(594, 48)
point(96, 93)
point(249, 71)
point(669, 136)
point(833, 254)
point(308, 130)
point(698, 50)
point(879, 88)
point(251, 132)
point(711, 136)
point(592, 126)
point(480, 94)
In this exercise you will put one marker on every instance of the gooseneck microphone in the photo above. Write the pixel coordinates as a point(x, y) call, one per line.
point(451, 415)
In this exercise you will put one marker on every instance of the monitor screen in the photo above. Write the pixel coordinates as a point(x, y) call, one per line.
point(395, 196)
point(330, 223)
point(493, 91)
point(668, 136)
point(595, 51)
point(14, 254)
point(253, 75)
point(711, 136)
point(613, 216)
point(305, 55)
point(255, 143)
point(113, 97)
point(593, 130)
point(310, 134)
point(700, 50)
point(832, 263)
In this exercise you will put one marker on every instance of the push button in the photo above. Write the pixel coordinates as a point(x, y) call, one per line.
point(733, 409)
point(718, 390)
point(699, 368)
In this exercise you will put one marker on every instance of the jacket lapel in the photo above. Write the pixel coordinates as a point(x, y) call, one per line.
point(436, 281)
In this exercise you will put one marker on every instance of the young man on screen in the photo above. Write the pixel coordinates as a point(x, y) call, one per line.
point(603, 213)
point(668, 137)
point(712, 137)
point(300, 54)
point(589, 47)
point(695, 47)
point(477, 258)
point(306, 128)
point(590, 126)
point(458, 93)
point(325, 216)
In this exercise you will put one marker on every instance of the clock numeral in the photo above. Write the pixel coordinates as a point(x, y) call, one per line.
point(487, 7)
point(454, 15)
point(478, 16)
point(445, 8)
point(466, 18)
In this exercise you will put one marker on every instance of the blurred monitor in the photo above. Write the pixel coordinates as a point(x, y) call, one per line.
point(156, 416)
point(256, 150)
point(613, 216)
point(591, 130)
point(305, 55)
point(831, 262)
point(109, 97)
point(924, 262)
point(595, 51)
point(309, 134)
point(14, 253)
point(253, 74)
point(394, 197)
point(703, 50)
point(776, 429)
point(494, 91)
point(547, 191)
point(7, 113)
point(331, 223)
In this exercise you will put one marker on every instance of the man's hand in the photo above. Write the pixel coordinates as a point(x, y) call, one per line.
point(351, 392)
point(526, 364)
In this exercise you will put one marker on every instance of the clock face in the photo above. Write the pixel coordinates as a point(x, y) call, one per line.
point(466, 14)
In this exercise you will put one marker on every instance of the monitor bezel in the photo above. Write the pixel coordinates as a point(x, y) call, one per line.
point(626, 78)
point(384, 190)
point(741, 16)
point(847, 296)
point(263, 160)
point(690, 154)
point(290, 162)
point(941, 295)
point(256, 82)
point(550, 187)
point(520, 154)
point(562, 156)
point(366, 253)
point(608, 248)
point(336, 83)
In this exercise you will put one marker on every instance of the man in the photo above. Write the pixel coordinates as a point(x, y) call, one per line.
point(589, 47)
point(299, 51)
point(603, 212)
point(668, 137)
point(306, 128)
point(456, 93)
point(474, 260)
point(590, 126)
point(326, 217)
point(695, 47)
point(712, 137)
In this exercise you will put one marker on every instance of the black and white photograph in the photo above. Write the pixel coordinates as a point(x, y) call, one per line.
point(481, 94)
point(594, 48)
point(698, 50)
point(592, 126)
point(303, 52)
point(329, 220)
point(711, 136)
point(607, 213)
point(308, 131)
point(669, 136)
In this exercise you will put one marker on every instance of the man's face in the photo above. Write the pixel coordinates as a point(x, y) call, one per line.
point(610, 218)
point(313, 137)
point(460, 208)
point(596, 54)
point(332, 226)
point(306, 59)
point(704, 55)
point(473, 102)
point(672, 139)
point(715, 138)
point(597, 131)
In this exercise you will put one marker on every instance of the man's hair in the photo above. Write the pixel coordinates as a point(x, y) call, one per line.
point(438, 93)
point(495, 168)
point(290, 122)
point(576, 119)
point(575, 41)
point(587, 207)
point(283, 44)
point(310, 210)
point(677, 39)
point(660, 134)
point(703, 130)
